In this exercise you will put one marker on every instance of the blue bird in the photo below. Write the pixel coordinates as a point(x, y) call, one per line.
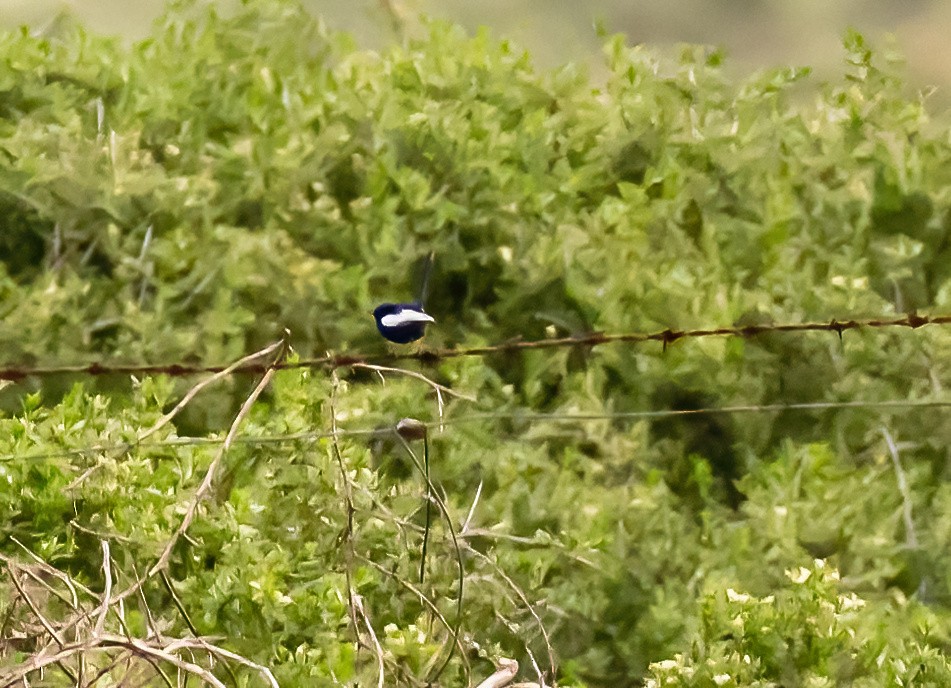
point(402, 323)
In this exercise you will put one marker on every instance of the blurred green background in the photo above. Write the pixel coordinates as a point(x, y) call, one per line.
point(756, 33)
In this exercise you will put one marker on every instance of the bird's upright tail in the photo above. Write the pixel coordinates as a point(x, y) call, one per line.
point(424, 285)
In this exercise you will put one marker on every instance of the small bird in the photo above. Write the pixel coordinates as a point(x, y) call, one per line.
point(402, 323)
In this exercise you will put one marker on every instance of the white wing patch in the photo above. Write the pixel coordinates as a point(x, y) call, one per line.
point(405, 317)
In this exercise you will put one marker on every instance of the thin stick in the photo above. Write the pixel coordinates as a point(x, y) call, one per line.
point(105, 643)
point(429, 504)
point(53, 571)
point(39, 580)
point(185, 401)
point(178, 603)
point(39, 615)
point(194, 391)
point(209, 478)
point(524, 598)
point(349, 549)
point(538, 671)
point(206, 484)
point(358, 602)
point(475, 502)
point(455, 544)
point(15, 579)
point(154, 630)
point(146, 273)
point(105, 670)
point(910, 532)
point(911, 535)
point(419, 376)
point(107, 592)
point(504, 674)
point(228, 654)
point(427, 602)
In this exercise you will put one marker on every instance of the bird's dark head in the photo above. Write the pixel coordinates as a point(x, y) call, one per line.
point(385, 309)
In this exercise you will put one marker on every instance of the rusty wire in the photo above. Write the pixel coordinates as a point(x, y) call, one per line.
point(431, 356)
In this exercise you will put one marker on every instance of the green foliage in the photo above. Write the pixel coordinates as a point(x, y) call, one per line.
point(239, 172)
point(807, 634)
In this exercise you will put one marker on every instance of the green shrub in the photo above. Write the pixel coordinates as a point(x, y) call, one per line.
point(188, 197)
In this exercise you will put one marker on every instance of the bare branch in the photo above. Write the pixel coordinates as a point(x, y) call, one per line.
point(475, 502)
point(220, 651)
point(505, 673)
point(438, 388)
point(347, 535)
point(444, 509)
point(55, 572)
point(209, 478)
point(107, 642)
point(910, 532)
point(107, 592)
point(524, 598)
point(358, 602)
point(154, 630)
point(185, 400)
point(207, 482)
point(15, 579)
point(427, 602)
point(194, 391)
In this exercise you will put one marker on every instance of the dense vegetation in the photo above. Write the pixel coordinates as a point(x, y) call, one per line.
point(187, 198)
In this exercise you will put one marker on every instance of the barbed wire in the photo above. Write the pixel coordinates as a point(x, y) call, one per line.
point(332, 361)
point(383, 430)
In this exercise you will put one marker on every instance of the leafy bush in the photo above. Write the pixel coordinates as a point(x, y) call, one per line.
point(188, 197)
point(807, 634)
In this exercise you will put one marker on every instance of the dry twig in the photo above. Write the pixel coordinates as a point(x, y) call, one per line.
point(31, 603)
point(440, 502)
point(524, 598)
point(505, 673)
point(347, 535)
point(358, 603)
point(436, 387)
point(105, 643)
point(429, 604)
point(107, 590)
point(910, 533)
point(206, 484)
point(90, 635)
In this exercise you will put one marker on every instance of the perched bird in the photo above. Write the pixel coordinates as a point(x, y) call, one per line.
point(401, 323)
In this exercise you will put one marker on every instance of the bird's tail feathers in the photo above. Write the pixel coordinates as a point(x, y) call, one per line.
point(427, 272)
